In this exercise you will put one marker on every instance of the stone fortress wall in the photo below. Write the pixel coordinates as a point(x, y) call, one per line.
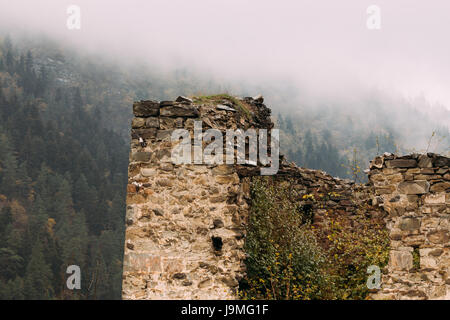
point(414, 190)
point(186, 223)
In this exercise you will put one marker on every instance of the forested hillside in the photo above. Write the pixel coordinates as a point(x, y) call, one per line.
point(62, 187)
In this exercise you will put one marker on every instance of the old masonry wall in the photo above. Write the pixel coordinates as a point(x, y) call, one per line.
point(186, 223)
point(414, 190)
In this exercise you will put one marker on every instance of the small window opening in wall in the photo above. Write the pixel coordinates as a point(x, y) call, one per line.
point(307, 213)
point(217, 243)
point(416, 258)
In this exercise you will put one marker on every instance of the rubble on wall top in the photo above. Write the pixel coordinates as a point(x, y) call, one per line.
point(426, 160)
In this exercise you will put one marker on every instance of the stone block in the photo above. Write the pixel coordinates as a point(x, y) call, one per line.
point(152, 122)
point(409, 224)
point(138, 122)
point(141, 156)
point(227, 179)
point(439, 236)
point(223, 169)
point(401, 163)
point(148, 172)
point(384, 190)
point(441, 186)
point(426, 171)
point(414, 187)
point(441, 162)
point(164, 135)
point(439, 292)
point(377, 162)
point(435, 198)
point(425, 162)
point(142, 262)
point(146, 133)
point(401, 260)
point(179, 111)
point(146, 108)
point(184, 99)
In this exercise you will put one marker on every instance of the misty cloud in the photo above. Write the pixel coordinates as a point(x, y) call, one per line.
point(324, 46)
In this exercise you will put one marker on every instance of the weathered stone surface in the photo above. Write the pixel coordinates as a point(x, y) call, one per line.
point(230, 281)
point(224, 107)
point(152, 122)
point(414, 187)
point(167, 123)
point(385, 190)
point(179, 276)
point(377, 162)
point(401, 163)
point(204, 283)
point(167, 166)
point(138, 122)
point(164, 183)
point(401, 260)
point(142, 262)
point(394, 178)
point(184, 99)
point(220, 198)
point(440, 292)
point(435, 198)
point(436, 252)
point(410, 224)
point(164, 134)
point(179, 111)
point(441, 186)
point(227, 179)
point(258, 99)
point(147, 133)
point(148, 172)
point(166, 103)
point(425, 162)
point(146, 108)
point(439, 236)
point(426, 171)
point(223, 169)
point(441, 162)
point(141, 156)
point(218, 223)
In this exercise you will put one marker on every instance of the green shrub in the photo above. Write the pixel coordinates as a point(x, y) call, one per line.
point(351, 250)
point(284, 260)
point(289, 259)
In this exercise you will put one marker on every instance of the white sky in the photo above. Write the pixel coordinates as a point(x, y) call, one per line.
point(324, 45)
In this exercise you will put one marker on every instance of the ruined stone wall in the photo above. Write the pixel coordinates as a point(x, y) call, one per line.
point(414, 190)
point(186, 223)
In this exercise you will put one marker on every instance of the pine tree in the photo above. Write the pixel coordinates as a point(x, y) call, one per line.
point(12, 289)
point(8, 167)
point(38, 280)
point(73, 238)
point(10, 264)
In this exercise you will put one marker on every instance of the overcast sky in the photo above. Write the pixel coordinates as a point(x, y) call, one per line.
point(324, 45)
